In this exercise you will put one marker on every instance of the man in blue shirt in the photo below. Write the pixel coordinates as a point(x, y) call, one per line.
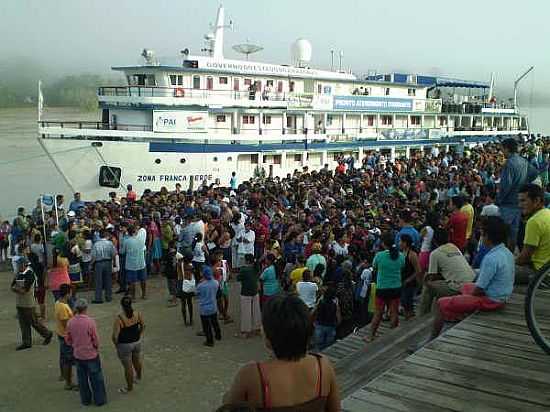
point(208, 308)
point(494, 284)
point(408, 229)
point(76, 204)
point(134, 263)
point(516, 172)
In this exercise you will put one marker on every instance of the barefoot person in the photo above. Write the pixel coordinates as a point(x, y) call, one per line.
point(63, 314)
point(188, 287)
point(135, 263)
point(249, 277)
point(128, 331)
point(388, 265)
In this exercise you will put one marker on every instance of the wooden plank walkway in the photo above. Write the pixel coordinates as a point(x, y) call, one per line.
point(487, 362)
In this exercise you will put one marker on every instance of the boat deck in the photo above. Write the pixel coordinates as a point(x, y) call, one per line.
point(488, 362)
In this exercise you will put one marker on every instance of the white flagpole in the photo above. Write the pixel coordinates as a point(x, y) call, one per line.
point(40, 100)
point(44, 229)
point(56, 214)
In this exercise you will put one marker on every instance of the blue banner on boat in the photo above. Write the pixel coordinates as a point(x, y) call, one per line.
point(47, 200)
point(369, 103)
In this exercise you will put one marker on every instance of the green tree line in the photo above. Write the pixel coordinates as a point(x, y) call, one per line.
point(19, 86)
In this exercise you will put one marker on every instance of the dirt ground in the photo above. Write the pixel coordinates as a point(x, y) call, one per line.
point(180, 374)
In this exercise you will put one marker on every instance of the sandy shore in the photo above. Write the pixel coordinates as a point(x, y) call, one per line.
point(180, 374)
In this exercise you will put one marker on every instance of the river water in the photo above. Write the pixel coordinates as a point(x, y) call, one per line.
point(26, 172)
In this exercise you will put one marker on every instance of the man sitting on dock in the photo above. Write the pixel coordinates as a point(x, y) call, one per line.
point(494, 284)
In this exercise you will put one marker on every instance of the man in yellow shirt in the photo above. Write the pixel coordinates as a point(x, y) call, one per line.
point(469, 210)
point(62, 315)
point(536, 243)
point(297, 273)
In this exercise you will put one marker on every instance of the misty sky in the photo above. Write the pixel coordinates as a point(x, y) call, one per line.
point(466, 38)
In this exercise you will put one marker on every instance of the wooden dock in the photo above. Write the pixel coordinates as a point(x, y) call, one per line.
point(487, 362)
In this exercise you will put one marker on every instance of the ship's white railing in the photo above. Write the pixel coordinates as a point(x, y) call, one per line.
point(193, 93)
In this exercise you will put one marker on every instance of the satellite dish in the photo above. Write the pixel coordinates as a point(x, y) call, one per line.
point(247, 48)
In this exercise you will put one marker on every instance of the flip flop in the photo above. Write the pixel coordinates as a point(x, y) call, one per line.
point(123, 390)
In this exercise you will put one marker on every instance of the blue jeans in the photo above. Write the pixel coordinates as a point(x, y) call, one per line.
point(103, 276)
point(324, 336)
point(122, 282)
point(89, 373)
point(512, 217)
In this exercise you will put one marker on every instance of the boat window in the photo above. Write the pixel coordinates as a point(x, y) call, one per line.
point(215, 159)
point(209, 83)
point(387, 77)
point(173, 79)
point(291, 85)
point(223, 80)
point(319, 88)
point(196, 82)
point(387, 91)
point(370, 120)
point(415, 120)
point(150, 80)
point(236, 85)
point(254, 158)
point(109, 176)
point(248, 119)
point(266, 119)
point(182, 160)
point(327, 90)
point(329, 120)
point(247, 82)
point(280, 86)
point(269, 83)
point(387, 120)
point(277, 159)
point(297, 157)
point(139, 79)
point(220, 118)
point(180, 80)
point(229, 159)
point(157, 161)
point(411, 92)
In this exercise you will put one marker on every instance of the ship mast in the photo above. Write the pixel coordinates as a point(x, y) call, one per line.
point(218, 35)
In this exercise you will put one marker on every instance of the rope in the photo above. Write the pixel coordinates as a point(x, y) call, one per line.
point(24, 159)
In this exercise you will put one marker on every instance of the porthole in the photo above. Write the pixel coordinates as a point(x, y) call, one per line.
point(182, 160)
point(157, 161)
point(215, 159)
point(229, 159)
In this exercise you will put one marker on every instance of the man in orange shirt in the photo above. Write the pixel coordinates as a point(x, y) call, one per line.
point(458, 223)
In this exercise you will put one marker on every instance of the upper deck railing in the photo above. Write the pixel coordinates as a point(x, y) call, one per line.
point(186, 92)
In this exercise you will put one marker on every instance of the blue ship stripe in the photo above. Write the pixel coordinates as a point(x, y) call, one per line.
point(268, 147)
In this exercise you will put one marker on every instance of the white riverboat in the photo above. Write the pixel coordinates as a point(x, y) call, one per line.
point(206, 117)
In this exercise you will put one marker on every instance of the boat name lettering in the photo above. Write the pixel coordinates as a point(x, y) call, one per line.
point(365, 103)
point(173, 178)
point(262, 68)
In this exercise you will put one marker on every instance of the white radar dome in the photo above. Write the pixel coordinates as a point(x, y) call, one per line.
point(301, 52)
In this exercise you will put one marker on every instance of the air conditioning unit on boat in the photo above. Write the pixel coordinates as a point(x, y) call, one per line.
point(301, 52)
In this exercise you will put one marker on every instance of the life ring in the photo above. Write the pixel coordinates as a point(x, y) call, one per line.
point(179, 92)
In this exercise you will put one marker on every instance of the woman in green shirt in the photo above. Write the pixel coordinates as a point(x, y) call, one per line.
point(251, 317)
point(388, 265)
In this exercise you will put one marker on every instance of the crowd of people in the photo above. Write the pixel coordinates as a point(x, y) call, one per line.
point(317, 254)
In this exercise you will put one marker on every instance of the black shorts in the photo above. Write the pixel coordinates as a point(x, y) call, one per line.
point(388, 294)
